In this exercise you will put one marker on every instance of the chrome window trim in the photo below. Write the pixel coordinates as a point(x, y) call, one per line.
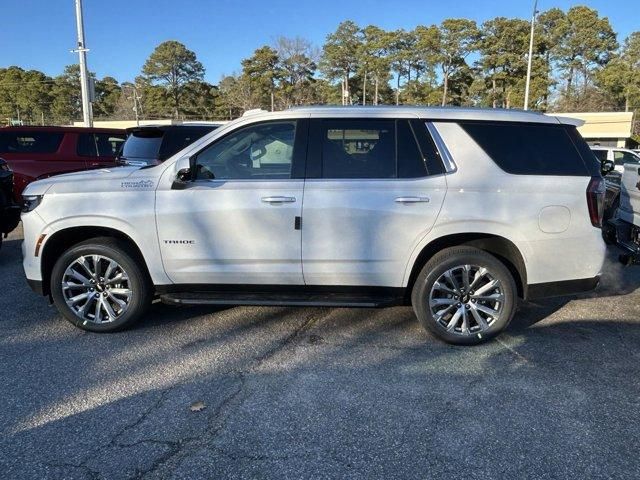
point(445, 155)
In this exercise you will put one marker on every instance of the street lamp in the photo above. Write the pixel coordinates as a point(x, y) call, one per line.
point(528, 85)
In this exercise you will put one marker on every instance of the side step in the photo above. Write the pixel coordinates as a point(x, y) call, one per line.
point(280, 299)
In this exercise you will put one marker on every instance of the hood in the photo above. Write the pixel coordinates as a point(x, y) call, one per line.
point(104, 179)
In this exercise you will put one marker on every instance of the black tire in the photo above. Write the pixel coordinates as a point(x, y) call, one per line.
point(451, 258)
point(138, 282)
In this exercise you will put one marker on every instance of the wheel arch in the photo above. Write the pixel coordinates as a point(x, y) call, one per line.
point(63, 239)
point(502, 248)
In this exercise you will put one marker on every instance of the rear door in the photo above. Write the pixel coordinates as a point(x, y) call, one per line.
point(374, 188)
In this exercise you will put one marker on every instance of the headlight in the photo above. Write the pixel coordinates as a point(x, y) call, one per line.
point(30, 202)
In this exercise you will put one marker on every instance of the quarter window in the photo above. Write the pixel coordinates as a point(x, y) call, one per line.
point(530, 149)
point(262, 151)
point(30, 142)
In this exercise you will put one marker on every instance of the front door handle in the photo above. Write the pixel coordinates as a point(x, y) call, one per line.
point(278, 199)
point(412, 200)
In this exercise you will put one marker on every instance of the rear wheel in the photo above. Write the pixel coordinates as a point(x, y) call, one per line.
point(464, 295)
point(100, 286)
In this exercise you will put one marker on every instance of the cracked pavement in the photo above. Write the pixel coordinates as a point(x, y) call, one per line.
point(319, 393)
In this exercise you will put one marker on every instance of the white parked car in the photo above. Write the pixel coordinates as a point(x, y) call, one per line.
point(619, 156)
point(456, 211)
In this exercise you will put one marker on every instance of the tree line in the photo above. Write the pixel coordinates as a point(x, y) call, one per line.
point(578, 65)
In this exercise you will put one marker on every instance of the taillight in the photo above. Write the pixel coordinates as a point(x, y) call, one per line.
point(595, 200)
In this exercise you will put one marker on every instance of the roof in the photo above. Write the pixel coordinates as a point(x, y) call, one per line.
point(57, 128)
point(165, 127)
point(613, 125)
point(431, 113)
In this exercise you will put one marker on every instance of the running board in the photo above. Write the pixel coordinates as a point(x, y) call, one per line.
point(280, 299)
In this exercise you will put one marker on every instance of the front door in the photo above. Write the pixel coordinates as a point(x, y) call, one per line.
point(236, 223)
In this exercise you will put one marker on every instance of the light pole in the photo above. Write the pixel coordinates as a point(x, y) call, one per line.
point(84, 76)
point(530, 60)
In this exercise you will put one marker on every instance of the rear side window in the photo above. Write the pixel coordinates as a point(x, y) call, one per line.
point(30, 142)
point(176, 140)
point(530, 149)
point(370, 149)
point(99, 144)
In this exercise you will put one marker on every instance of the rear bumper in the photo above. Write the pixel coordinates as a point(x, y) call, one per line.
point(558, 289)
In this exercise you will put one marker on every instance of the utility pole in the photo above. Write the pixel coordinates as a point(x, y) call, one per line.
point(528, 85)
point(84, 75)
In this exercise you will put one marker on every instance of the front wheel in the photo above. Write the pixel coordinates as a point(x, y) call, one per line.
point(100, 286)
point(464, 295)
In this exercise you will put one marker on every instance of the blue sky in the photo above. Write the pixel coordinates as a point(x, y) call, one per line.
point(121, 34)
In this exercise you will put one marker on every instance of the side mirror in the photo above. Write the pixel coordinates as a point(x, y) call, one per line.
point(606, 167)
point(184, 174)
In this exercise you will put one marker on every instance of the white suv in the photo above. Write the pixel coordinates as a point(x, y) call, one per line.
point(457, 211)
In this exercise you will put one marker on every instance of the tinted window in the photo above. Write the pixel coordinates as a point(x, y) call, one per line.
point(108, 144)
point(624, 157)
point(532, 149)
point(144, 144)
point(262, 151)
point(179, 138)
point(358, 149)
point(30, 142)
point(410, 158)
point(87, 145)
point(600, 154)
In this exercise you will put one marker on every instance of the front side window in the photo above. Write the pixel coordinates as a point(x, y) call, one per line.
point(30, 142)
point(261, 151)
point(620, 158)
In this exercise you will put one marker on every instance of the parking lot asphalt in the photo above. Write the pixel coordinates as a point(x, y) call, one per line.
point(320, 393)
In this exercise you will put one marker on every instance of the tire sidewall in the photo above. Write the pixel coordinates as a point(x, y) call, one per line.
point(137, 282)
point(436, 267)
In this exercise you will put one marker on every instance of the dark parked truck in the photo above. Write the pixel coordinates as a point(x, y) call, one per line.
point(624, 228)
point(9, 210)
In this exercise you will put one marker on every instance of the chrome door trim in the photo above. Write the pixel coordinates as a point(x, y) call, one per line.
point(445, 155)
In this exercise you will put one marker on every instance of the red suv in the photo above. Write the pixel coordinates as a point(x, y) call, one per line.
point(39, 152)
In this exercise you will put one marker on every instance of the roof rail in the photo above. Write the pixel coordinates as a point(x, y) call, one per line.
point(253, 111)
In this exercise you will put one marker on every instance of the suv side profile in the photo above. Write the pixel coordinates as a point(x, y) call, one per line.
point(457, 212)
point(40, 152)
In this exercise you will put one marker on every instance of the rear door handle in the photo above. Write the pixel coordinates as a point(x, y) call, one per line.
point(412, 200)
point(278, 199)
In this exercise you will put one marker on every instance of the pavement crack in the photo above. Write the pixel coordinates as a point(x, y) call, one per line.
point(78, 466)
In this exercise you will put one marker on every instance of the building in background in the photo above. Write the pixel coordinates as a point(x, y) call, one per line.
point(610, 129)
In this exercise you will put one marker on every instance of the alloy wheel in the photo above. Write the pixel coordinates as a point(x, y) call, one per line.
point(97, 289)
point(466, 300)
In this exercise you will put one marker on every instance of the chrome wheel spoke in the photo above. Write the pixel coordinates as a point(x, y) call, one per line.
point(486, 287)
point(465, 277)
point(482, 323)
point(110, 268)
point(78, 298)
point(454, 283)
point(479, 275)
point(442, 301)
point(454, 320)
point(486, 310)
point(496, 297)
point(444, 288)
point(79, 277)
